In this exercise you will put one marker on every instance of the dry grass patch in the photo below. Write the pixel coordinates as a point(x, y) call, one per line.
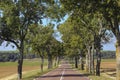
point(10, 68)
point(108, 68)
point(7, 71)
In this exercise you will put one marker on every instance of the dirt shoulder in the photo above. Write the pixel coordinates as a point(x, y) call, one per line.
point(14, 76)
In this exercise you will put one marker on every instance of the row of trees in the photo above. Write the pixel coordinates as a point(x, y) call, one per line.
point(90, 24)
point(44, 44)
point(84, 35)
point(12, 56)
point(108, 55)
point(8, 56)
point(20, 24)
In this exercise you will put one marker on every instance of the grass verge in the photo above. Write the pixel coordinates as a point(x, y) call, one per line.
point(93, 77)
point(10, 68)
point(34, 74)
point(99, 77)
point(103, 76)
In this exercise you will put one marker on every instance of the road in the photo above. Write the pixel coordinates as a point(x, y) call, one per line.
point(64, 72)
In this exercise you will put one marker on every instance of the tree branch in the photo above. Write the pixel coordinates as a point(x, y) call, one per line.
point(10, 40)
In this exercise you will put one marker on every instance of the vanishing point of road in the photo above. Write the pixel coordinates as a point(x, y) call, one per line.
point(63, 72)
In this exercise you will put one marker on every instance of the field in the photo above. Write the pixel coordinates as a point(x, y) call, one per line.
point(108, 67)
point(32, 67)
point(108, 70)
point(10, 68)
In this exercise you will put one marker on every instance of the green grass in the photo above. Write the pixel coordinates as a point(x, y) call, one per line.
point(30, 75)
point(26, 62)
point(8, 63)
point(108, 60)
point(99, 77)
point(34, 74)
point(31, 62)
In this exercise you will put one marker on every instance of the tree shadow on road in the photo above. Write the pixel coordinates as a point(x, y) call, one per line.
point(65, 75)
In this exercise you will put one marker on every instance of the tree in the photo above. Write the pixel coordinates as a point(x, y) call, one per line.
point(57, 51)
point(17, 16)
point(85, 8)
point(72, 40)
point(50, 48)
point(112, 16)
point(38, 39)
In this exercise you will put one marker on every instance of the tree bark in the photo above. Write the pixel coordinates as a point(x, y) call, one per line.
point(92, 60)
point(81, 63)
point(76, 61)
point(20, 61)
point(42, 58)
point(118, 60)
point(89, 59)
point(42, 63)
point(98, 62)
point(49, 61)
point(87, 63)
point(49, 58)
point(56, 61)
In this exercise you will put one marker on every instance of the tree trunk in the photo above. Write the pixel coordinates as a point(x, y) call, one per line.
point(98, 63)
point(72, 61)
point(86, 65)
point(49, 57)
point(42, 58)
point(89, 59)
point(56, 61)
point(118, 60)
point(76, 61)
point(42, 63)
point(49, 61)
point(92, 60)
point(20, 62)
point(81, 63)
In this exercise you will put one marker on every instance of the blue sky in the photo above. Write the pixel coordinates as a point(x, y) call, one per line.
point(8, 48)
point(109, 46)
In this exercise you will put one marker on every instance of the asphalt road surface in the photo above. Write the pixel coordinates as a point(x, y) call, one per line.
point(63, 72)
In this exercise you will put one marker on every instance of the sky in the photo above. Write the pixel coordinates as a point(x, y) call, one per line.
point(109, 46)
point(3, 47)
